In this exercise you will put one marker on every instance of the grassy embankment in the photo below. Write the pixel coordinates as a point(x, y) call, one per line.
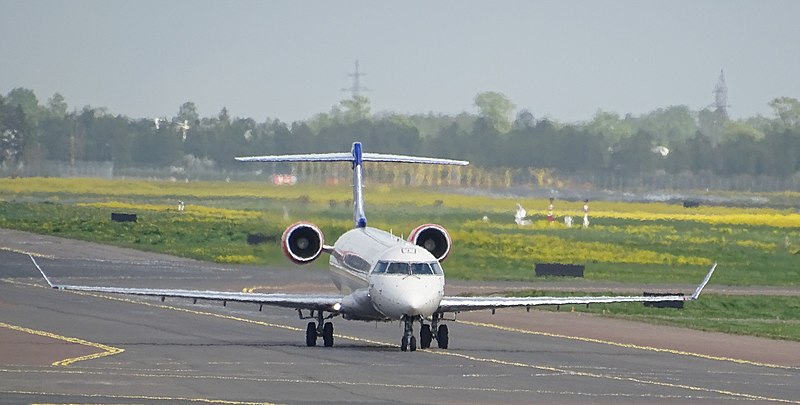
point(627, 242)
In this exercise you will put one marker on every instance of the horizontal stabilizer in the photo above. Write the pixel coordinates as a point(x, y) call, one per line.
point(381, 157)
point(302, 157)
point(348, 157)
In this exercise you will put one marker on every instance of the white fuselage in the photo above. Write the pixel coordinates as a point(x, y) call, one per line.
point(384, 276)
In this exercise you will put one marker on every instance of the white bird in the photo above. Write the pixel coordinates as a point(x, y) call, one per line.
point(661, 150)
point(183, 127)
point(519, 217)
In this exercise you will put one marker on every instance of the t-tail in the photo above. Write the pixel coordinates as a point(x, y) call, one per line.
point(357, 158)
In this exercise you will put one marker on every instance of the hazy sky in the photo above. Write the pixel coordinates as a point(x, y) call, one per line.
point(290, 59)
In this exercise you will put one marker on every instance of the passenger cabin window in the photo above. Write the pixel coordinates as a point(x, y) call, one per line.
point(407, 268)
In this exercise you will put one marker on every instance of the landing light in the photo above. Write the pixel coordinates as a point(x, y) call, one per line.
point(337, 306)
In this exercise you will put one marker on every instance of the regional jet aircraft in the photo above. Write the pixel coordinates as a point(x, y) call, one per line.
point(381, 277)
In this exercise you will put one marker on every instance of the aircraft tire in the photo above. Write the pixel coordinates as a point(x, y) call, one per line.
point(412, 346)
point(327, 334)
point(442, 338)
point(425, 337)
point(311, 334)
point(404, 344)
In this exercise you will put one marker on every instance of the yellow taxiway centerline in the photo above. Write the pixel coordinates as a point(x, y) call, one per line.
point(734, 394)
point(627, 345)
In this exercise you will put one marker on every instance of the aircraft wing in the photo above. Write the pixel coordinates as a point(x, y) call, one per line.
point(322, 302)
point(461, 304)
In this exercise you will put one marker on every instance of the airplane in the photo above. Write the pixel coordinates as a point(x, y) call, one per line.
point(380, 276)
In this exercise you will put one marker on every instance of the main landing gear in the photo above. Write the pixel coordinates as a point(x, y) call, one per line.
point(318, 329)
point(426, 334)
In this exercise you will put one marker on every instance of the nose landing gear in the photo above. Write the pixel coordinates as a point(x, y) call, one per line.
point(425, 336)
point(409, 342)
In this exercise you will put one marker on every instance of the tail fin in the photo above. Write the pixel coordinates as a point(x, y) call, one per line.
point(357, 157)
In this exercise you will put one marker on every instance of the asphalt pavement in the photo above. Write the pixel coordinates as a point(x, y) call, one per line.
point(86, 348)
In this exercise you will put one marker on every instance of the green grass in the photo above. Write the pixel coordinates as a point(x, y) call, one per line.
point(613, 249)
point(775, 317)
point(647, 251)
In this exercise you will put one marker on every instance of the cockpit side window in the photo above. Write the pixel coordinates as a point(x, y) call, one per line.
point(437, 269)
point(380, 268)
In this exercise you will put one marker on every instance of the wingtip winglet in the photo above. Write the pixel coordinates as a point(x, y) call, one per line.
point(42, 272)
point(705, 281)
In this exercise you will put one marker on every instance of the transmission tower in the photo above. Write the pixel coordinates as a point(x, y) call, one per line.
point(721, 96)
point(356, 88)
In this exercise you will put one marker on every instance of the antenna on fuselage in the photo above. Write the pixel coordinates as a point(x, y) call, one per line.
point(356, 157)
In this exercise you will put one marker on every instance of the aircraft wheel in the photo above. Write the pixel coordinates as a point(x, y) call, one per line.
point(442, 338)
point(327, 334)
point(413, 345)
point(425, 337)
point(404, 344)
point(311, 334)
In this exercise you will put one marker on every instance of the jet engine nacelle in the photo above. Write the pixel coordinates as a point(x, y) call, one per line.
point(302, 242)
point(434, 238)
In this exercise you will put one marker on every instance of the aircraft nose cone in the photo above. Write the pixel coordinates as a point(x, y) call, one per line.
point(412, 304)
point(396, 296)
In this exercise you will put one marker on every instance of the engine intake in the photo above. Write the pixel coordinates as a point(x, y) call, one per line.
point(302, 242)
point(433, 238)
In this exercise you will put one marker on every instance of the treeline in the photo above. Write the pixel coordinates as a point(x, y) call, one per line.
point(672, 140)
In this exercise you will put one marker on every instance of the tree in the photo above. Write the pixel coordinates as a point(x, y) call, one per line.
point(524, 119)
point(783, 152)
point(188, 112)
point(156, 148)
point(25, 99)
point(671, 124)
point(223, 117)
point(788, 110)
point(741, 155)
point(736, 128)
point(355, 109)
point(711, 123)
point(610, 126)
point(13, 128)
point(635, 155)
point(496, 108)
point(56, 106)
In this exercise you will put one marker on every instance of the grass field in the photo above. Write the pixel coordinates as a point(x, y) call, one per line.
point(636, 243)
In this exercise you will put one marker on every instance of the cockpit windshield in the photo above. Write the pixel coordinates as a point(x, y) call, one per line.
point(383, 267)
